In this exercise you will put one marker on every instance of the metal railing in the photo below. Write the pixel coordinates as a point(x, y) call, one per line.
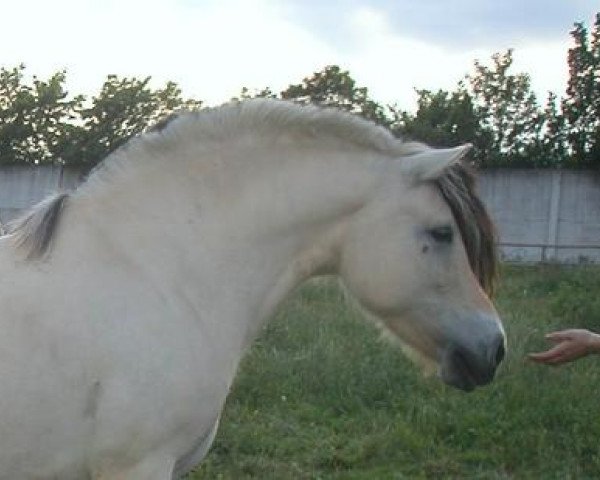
point(545, 248)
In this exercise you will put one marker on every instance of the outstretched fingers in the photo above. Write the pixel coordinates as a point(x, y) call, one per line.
point(559, 336)
point(554, 356)
point(570, 345)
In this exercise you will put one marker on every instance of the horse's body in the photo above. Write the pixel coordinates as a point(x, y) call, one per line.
point(127, 305)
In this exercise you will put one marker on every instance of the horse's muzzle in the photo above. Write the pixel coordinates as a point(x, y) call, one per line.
point(467, 366)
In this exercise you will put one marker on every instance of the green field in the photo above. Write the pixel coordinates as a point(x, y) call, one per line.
point(321, 396)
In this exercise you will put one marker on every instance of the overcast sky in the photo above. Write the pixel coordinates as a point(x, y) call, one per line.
point(212, 48)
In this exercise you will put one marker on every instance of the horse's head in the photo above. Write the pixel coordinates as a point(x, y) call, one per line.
point(420, 258)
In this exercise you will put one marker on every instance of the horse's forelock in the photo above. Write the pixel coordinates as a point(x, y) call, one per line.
point(457, 187)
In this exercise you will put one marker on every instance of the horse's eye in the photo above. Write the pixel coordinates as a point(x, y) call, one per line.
point(442, 234)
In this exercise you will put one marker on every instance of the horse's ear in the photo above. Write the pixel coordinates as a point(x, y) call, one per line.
point(430, 164)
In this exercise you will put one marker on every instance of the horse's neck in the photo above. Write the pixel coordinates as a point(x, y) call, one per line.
point(240, 237)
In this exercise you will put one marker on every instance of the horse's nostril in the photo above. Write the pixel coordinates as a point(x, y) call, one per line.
point(500, 352)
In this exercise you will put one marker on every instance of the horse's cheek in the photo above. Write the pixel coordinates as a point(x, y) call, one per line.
point(374, 272)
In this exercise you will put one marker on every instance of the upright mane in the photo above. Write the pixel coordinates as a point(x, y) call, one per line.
point(271, 118)
point(457, 186)
point(210, 129)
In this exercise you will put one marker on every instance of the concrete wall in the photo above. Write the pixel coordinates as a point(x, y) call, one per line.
point(541, 215)
point(24, 186)
point(545, 215)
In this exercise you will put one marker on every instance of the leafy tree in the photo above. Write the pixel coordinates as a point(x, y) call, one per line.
point(492, 108)
point(581, 107)
point(511, 120)
point(442, 119)
point(125, 107)
point(334, 87)
point(33, 117)
point(497, 112)
point(39, 123)
point(247, 94)
point(552, 146)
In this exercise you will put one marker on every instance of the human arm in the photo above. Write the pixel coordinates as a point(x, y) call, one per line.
point(569, 345)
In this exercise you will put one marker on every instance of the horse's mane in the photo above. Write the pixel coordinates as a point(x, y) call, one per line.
point(209, 129)
point(271, 118)
point(457, 186)
point(34, 231)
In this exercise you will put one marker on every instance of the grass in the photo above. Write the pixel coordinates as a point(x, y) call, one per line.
point(321, 396)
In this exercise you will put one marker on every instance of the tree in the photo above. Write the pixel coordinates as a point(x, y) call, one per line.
point(553, 150)
point(581, 107)
point(442, 119)
point(125, 107)
point(334, 87)
point(247, 94)
point(39, 123)
point(511, 121)
point(33, 117)
point(494, 110)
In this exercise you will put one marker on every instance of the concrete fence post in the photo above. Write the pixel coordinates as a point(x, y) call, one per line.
point(553, 216)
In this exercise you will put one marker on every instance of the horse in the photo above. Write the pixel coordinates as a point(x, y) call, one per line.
point(128, 302)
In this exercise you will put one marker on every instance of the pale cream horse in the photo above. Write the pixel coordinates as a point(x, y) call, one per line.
point(127, 304)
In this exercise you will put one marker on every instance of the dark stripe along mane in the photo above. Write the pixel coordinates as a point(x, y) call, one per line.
point(33, 232)
point(457, 186)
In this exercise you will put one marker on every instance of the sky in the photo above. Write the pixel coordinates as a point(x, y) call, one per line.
point(213, 48)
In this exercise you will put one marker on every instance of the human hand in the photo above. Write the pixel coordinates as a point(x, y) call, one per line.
point(570, 345)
